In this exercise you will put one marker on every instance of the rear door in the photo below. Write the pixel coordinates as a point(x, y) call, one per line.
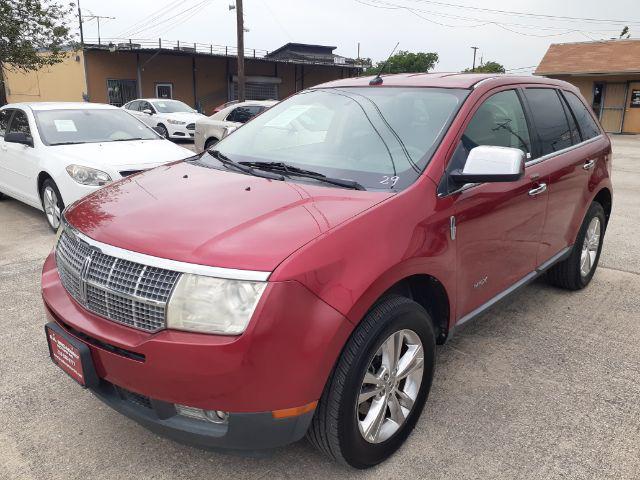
point(568, 159)
point(498, 225)
point(615, 95)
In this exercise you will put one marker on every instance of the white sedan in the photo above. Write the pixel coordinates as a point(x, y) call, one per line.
point(173, 119)
point(211, 130)
point(52, 154)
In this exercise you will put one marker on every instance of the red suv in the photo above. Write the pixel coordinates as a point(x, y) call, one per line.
point(296, 279)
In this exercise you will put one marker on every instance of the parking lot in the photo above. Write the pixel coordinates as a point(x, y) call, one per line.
point(545, 385)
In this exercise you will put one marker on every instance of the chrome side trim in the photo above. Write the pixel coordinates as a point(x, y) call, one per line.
point(565, 252)
point(560, 152)
point(177, 266)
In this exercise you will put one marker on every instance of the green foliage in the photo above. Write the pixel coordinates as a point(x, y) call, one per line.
point(407, 62)
point(28, 27)
point(488, 67)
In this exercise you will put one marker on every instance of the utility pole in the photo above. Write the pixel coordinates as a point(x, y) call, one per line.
point(475, 49)
point(80, 20)
point(240, 27)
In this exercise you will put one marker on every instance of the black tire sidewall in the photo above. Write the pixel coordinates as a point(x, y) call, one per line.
point(50, 183)
point(354, 448)
point(165, 130)
point(210, 143)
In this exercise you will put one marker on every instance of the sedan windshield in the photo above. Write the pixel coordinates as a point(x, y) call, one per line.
point(172, 106)
point(381, 138)
point(64, 127)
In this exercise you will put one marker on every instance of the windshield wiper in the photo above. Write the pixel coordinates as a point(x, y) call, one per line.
point(66, 143)
point(300, 172)
point(226, 161)
point(126, 139)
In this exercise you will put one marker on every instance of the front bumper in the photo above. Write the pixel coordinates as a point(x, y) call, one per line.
point(282, 361)
point(242, 432)
point(180, 131)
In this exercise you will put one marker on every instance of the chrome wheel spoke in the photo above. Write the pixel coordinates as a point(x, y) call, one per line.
point(369, 393)
point(391, 351)
point(395, 409)
point(411, 361)
point(371, 379)
point(405, 400)
point(590, 247)
point(372, 429)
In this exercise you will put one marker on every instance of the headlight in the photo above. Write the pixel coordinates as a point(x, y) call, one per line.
point(176, 122)
point(212, 305)
point(88, 176)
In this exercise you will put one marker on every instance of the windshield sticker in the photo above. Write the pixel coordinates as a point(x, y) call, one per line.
point(387, 180)
point(286, 117)
point(65, 126)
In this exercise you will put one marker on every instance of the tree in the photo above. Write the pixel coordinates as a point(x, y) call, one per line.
point(488, 67)
point(30, 27)
point(407, 62)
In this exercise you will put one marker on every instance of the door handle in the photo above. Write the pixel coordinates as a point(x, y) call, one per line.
point(538, 190)
point(589, 164)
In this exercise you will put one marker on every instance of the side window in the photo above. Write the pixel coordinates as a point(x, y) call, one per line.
point(5, 115)
point(549, 118)
point(573, 127)
point(135, 106)
point(146, 106)
point(588, 126)
point(500, 121)
point(19, 123)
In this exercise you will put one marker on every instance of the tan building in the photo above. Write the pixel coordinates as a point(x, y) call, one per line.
point(608, 75)
point(203, 76)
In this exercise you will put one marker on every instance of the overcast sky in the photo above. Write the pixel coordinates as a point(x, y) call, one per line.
point(416, 24)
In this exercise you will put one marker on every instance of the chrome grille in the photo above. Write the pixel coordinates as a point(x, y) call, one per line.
point(120, 290)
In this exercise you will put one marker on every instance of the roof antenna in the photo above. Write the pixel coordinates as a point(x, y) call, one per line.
point(377, 80)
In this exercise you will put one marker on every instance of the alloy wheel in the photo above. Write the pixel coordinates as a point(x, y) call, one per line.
point(51, 207)
point(390, 386)
point(590, 246)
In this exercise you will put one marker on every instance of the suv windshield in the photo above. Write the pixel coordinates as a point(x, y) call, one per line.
point(90, 126)
point(381, 138)
point(172, 106)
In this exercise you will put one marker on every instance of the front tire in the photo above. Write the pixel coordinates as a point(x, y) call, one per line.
point(210, 143)
point(52, 203)
point(576, 272)
point(379, 385)
point(162, 130)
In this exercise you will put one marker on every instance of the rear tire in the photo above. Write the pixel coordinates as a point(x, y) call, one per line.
point(52, 203)
point(344, 425)
point(576, 272)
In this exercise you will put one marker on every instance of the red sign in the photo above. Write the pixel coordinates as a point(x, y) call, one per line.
point(66, 356)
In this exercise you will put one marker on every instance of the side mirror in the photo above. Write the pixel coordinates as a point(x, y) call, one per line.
point(19, 137)
point(147, 111)
point(490, 164)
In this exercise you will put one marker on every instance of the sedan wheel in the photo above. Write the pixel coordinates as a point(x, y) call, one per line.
point(162, 130)
point(52, 203)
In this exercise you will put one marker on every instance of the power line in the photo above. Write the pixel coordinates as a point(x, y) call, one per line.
point(198, 8)
point(148, 20)
point(529, 14)
point(182, 13)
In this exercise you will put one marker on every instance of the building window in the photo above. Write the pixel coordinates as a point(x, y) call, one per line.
point(164, 90)
point(257, 91)
point(598, 90)
point(121, 91)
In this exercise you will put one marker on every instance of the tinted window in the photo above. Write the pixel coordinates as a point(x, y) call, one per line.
point(133, 106)
point(500, 122)
point(549, 118)
point(145, 106)
point(19, 123)
point(588, 126)
point(243, 114)
point(5, 115)
point(573, 128)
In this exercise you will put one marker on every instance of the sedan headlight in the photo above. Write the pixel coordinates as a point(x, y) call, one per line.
point(213, 305)
point(176, 122)
point(88, 176)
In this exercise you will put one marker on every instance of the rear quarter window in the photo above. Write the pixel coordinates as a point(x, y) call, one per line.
point(586, 123)
point(5, 115)
point(549, 119)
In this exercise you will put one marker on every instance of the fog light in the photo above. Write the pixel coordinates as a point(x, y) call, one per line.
point(214, 416)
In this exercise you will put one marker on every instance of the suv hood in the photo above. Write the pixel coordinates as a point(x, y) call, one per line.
point(119, 154)
point(193, 214)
